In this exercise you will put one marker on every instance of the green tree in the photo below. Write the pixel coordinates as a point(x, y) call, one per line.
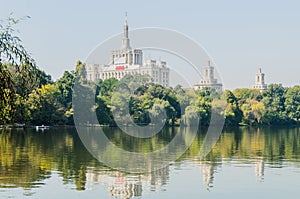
point(232, 112)
point(80, 71)
point(65, 86)
point(192, 115)
point(14, 61)
point(104, 91)
point(158, 111)
point(182, 97)
point(44, 107)
point(274, 100)
point(205, 106)
point(292, 103)
point(243, 94)
point(166, 94)
point(253, 111)
point(20, 108)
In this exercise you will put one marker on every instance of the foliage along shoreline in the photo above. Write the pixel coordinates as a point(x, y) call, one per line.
point(29, 96)
point(50, 103)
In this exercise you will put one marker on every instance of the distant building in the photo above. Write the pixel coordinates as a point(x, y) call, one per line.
point(129, 61)
point(209, 80)
point(260, 81)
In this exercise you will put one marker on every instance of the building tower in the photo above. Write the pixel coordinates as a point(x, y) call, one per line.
point(129, 61)
point(209, 80)
point(260, 81)
point(125, 40)
point(126, 55)
point(209, 73)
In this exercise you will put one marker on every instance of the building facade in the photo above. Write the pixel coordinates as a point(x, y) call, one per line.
point(260, 81)
point(209, 80)
point(128, 60)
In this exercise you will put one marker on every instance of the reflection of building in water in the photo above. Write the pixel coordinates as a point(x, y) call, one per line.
point(260, 168)
point(157, 178)
point(208, 170)
point(126, 186)
point(119, 184)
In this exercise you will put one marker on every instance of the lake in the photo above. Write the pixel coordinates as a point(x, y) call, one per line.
point(244, 163)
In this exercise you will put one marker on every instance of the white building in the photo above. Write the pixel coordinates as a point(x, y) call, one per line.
point(129, 61)
point(260, 81)
point(209, 80)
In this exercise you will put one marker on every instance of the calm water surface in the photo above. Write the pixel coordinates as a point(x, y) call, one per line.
point(245, 163)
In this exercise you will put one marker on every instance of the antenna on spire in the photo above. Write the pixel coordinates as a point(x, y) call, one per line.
point(126, 16)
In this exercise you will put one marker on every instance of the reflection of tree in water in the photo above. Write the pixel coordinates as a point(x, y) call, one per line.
point(273, 146)
point(28, 157)
point(18, 162)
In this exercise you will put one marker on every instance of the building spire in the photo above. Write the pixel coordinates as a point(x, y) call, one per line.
point(125, 40)
point(260, 80)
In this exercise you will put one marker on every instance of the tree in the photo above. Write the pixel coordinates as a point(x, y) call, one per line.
point(104, 91)
point(65, 87)
point(192, 115)
point(292, 103)
point(14, 61)
point(44, 78)
point(20, 109)
point(205, 107)
point(43, 106)
point(274, 100)
point(243, 94)
point(158, 111)
point(182, 97)
point(232, 112)
point(80, 71)
point(253, 111)
point(172, 106)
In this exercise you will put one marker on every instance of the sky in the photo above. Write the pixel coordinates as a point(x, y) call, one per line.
point(240, 36)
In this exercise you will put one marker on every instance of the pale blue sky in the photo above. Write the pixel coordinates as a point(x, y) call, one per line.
point(239, 35)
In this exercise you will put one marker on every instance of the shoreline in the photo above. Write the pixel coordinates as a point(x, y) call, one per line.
point(19, 126)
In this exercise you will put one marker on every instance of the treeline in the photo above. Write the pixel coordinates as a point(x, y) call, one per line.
point(46, 102)
point(50, 103)
point(277, 105)
point(29, 96)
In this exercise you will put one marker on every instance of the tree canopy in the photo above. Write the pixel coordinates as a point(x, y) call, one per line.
point(18, 71)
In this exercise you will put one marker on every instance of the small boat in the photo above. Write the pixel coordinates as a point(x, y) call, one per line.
point(41, 127)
